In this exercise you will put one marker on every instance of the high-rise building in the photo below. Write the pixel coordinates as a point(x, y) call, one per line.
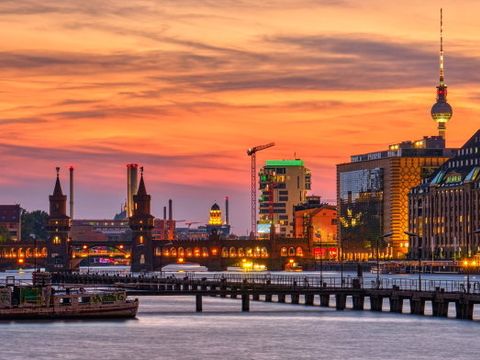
point(444, 211)
point(372, 196)
point(372, 190)
point(132, 186)
point(283, 184)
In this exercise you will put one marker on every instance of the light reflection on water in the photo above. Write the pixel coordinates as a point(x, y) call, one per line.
point(168, 328)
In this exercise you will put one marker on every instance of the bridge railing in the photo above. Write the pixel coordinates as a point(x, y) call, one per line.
point(282, 280)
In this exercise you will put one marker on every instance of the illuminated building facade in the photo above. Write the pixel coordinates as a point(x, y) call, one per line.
point(216, 223)
point(317, 222)
point(372, 196)
point(444, 211)
point(10, 220)
point(283, 184)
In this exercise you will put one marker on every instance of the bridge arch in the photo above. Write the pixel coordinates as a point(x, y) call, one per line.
point(224, 252)
point(299, 251)
point(241, 252)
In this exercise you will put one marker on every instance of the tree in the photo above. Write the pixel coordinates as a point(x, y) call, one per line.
point(34, 223)
point(4, 234)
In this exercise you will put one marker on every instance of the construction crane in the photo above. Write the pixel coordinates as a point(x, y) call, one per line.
point(252, 152)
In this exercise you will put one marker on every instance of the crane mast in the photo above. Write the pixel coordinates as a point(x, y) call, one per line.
point(252, 152)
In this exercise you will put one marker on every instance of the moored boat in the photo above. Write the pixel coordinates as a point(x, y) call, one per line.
point(41, 300)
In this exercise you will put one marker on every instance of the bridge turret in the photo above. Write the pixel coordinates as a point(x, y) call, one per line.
point(141, 223)
point(58, 227)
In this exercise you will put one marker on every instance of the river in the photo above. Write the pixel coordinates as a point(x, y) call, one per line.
point(168, 328)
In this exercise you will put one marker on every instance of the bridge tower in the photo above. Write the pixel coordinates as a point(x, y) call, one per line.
point(141, 223)
point(58, 227)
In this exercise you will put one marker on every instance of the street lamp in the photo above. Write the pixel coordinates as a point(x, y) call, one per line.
point(419, 253)
point(384, 236)
point(35, 253)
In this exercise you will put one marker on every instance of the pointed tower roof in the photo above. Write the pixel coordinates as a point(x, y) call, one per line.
point(57, 191)
point(142, 191)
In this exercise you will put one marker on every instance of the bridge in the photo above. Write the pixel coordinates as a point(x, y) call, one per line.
point(298, 289)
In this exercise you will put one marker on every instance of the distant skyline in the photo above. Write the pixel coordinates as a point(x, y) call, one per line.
point(185, 87)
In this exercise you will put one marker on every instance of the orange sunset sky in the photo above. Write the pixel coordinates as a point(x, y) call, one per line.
point(184, 87)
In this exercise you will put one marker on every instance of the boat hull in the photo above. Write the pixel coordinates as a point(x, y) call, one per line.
point(114, 311)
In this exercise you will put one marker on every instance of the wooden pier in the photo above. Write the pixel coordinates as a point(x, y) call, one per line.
point(402, 295)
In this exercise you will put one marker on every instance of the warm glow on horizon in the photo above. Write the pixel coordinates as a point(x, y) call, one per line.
point(185, 87)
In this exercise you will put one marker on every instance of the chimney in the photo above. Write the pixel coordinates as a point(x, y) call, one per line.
point(71, 192)
point(165, 213)
point(170, 210)
point(227, 220)
point(132, 186)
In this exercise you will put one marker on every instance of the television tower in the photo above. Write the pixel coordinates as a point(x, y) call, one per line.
point(441, 110)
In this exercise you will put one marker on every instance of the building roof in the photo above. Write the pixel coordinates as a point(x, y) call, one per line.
point(463, 167)
point(215, 207)
point(282, 163)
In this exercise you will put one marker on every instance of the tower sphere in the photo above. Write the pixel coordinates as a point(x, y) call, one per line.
point(441, 111)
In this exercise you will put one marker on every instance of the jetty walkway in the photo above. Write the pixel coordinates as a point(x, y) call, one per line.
point(402, 295)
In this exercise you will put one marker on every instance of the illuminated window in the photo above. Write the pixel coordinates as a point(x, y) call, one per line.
point(56, 240)
point(173, 251)
point(299, 251)
point(233, 252)
point(283, 251)
point(140, 239)
point(224, 252)
point(291, 251)
point(181, 252)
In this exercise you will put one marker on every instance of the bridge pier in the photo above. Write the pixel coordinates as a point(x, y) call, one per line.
point(325, 300)
point(417, 306)
point(281, 298)
point(464, 309)
point(358, 302)
point(376, 303)
point(440, 307)
point(340, 301)
point(396, 304)
point(309, 298)
point(223, 291)
point(245, 302)
point(268, 297)
point(295, 298)
point(198, 303)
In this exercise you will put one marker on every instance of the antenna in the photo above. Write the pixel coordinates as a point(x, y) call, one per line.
point(441, 48)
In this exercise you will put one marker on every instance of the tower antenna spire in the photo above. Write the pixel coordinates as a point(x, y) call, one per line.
point(441, 110)
point(442, 79)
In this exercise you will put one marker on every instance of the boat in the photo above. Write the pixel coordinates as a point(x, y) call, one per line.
point(184, 267)
point(41, 300)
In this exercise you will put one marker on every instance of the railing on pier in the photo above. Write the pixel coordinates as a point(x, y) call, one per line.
point(285, 281)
